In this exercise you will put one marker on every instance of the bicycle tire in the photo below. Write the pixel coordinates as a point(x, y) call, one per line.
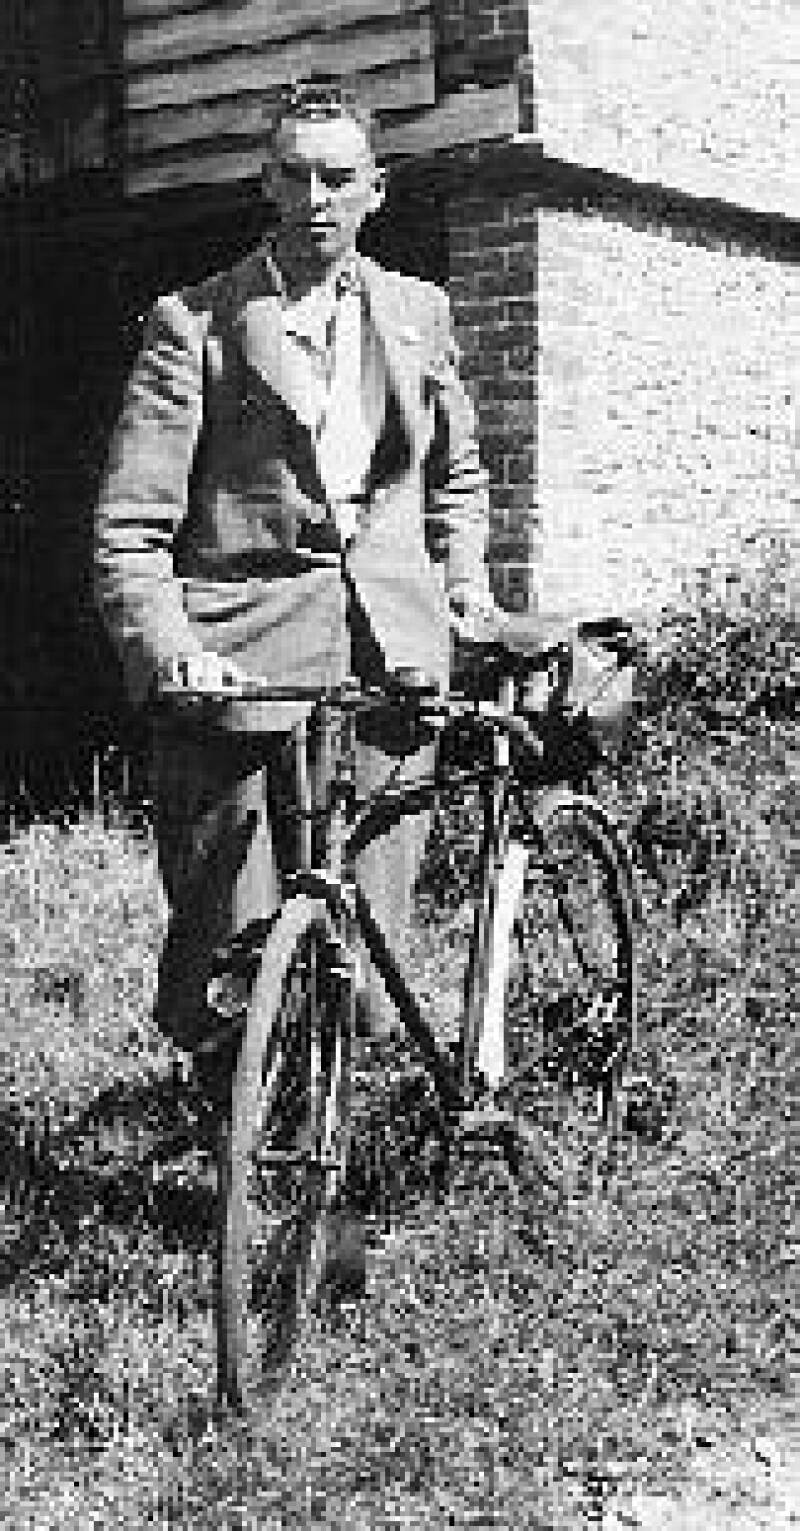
point(283, 1153)
point(561, 997)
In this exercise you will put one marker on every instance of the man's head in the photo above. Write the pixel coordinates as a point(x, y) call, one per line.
point(322, 173)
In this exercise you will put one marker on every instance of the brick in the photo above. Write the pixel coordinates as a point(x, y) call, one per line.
point(483, 282)
point(520, 262)
point(517, 331)
point(517, 415)
point(469, 336)
point(515, 520)
point(479, 311)
point(518, 377)
point(496, 449)
point(520, 308)
point(523, 223)
point(519, 467)
point(463, 240)
point(496, 18)
point(501, 359)
point(506, 548)
point(528, 100)
point(511, 597)
point(513, 529)
point(469, 235)
point(521, 359)
point(516, 389)
point(521, 497)
point(489, 217)
point(493, 451)
point(494, 281)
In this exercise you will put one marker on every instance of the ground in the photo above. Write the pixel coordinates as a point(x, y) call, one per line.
point(615, 1350)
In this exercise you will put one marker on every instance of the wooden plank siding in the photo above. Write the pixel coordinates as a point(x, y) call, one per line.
point(189, 35)
point(268, 65)
point(196, 79)
point(399, 87)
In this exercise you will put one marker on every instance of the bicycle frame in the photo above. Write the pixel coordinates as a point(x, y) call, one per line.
point(502, 863)
point(502, 866)
point(324, 909)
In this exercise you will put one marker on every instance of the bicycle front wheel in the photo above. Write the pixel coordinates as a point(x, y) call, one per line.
point(569, 965)
point(283, 1152)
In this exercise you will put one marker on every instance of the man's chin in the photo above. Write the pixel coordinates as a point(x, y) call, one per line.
point(326, 239)
point(321, 245)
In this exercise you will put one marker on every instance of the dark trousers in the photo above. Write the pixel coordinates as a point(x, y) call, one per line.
point(227, 834)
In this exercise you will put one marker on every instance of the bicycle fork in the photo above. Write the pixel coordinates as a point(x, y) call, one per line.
point(502, 877)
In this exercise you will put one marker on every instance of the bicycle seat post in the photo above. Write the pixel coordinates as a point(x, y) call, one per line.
point(507, 695)
point(303, 796)
point(332, 733)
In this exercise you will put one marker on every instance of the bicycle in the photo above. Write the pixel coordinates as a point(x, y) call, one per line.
point(283, 1155)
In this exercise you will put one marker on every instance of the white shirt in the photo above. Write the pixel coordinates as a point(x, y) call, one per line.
point(324, 333)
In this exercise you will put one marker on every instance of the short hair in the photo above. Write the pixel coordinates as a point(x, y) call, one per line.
point(319, 98)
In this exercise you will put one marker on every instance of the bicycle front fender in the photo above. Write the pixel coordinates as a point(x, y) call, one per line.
point(562, 803)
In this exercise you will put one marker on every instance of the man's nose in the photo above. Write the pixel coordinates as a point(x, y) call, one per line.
point(318, 191)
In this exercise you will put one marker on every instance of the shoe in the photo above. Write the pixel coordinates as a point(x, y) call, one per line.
point(345, 1278)
point(649, 1108)
point(362, 1023)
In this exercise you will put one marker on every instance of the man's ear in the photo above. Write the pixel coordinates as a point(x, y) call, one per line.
point(268, 180)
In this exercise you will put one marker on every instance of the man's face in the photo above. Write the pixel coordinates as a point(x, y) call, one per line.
point(325, 183)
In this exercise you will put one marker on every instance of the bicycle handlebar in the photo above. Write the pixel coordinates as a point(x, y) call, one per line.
point(518, 649)
point(433, 707)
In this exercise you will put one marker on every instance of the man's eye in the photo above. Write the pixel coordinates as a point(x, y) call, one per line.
point(335, 180)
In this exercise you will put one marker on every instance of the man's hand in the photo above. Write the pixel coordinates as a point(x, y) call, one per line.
point(476, 620)
point(207, 673)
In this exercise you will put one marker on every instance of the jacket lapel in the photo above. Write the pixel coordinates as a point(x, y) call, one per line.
point(397, 349)
point(280, 364)
point(393, 359)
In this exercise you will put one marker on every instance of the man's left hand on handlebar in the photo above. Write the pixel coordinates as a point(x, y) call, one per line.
point(207, 674)
point(476, 621)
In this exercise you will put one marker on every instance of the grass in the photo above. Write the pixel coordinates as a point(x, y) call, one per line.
point(518, 1362)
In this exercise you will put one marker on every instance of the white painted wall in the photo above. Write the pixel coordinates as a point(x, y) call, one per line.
point(700, 94)
point(668, 419)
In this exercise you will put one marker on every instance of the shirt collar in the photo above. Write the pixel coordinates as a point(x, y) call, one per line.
point(310, 315)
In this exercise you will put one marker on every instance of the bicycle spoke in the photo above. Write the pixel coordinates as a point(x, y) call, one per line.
point(287, 1166)
point(568, 1002)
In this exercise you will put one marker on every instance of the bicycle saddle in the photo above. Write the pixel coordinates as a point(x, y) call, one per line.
point(536, 639)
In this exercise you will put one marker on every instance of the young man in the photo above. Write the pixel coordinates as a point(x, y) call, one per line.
point(293, 492)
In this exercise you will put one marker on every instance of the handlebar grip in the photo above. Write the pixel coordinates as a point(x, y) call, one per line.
point(409, 683)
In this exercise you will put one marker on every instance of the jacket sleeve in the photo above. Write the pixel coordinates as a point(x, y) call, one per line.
point(457, 484)
point(144, 498)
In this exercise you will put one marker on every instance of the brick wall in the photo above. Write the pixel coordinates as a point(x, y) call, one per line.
point(668, 448)
point(637, 394)
point(493, 253)
point(492, 280)
point(479, 41)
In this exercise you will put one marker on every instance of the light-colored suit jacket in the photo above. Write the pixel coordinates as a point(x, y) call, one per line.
point(213, 530)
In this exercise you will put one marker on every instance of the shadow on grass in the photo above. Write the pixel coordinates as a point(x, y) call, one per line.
point(144, 1153)
point(118, 1161)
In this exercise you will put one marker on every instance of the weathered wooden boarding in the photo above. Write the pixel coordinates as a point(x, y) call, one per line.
point(196, 75)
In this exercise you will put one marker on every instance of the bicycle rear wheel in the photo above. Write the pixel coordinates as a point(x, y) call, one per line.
point(283, 1154)
point(569, 969)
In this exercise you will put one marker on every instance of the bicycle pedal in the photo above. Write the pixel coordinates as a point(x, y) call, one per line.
point(286, 1159)
point(486, 1130)
point(342, 972)
point(488, 1117)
